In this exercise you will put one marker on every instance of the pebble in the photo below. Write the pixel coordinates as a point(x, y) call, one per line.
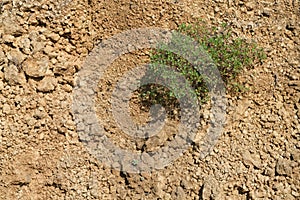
point(13, 76)
point(180, 194)
point(16, 57)
point(283, 167)
point(6, 109)
point(24, 44)
point(11, 27)
point(8, 38)
point(54, 37)
point(250, 5)
point(47, 84)
point(49, 50)
point(267, 12)
point(250, 159)
point(36, 67)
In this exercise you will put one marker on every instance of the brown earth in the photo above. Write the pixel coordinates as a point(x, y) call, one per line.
point(43, 45)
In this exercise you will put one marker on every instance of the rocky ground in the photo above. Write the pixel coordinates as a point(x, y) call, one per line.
point(42, 47)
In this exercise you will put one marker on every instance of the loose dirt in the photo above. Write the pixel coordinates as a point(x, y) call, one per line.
point(43, 45)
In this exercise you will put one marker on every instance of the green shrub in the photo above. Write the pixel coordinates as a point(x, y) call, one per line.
point(230, 55)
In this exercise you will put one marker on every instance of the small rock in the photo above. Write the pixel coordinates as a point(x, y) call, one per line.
point(16, 57)
point(13, 76)
point(38, 46)
point(206, 114)
point(294, 83)
point(11, 27)
point(180, 193)
point(47, 84)
point(32, 20)
point(49, 50)
point(250, 6)
point(6, 109)
point(217, 10)
point(210, 189)
point(296, 154)
point(24, 44)
point(257, 194)
point(283, 167)
point(250, 159)
point(8, 38)
point(278, 186)
point(22, 176)
point(269, 172)
point(186, 184)
point(36, 67)
point(53, 36)
point(30, 121)
point(33, 36)
point(67, 87)
point(295, 194)
point(266, 12)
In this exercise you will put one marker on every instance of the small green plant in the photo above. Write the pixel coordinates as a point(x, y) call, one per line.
point(230, 55)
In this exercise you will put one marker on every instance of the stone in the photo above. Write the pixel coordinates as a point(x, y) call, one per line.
point(6, 109)
point(38, 46)
point(13, 76)
point(67, 87)
point(266, 12)
point(16, 57)
point(49, 50)
point(53, 36)
point(269, 172)
point(210, 189)
point(8, 38)
point(217, 9)
point(24, 44)
point(283, 167)
point(296, 154)
point(250, 159)
point(294, 83)
point(180, 193)
point(47, 84)
point(33, 19)
point(186, 184)
point(36, 67)
point(250, 6)
point(11, 27)
point(257, 194)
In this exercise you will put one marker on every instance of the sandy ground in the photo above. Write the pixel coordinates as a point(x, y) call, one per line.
point(42, 48)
